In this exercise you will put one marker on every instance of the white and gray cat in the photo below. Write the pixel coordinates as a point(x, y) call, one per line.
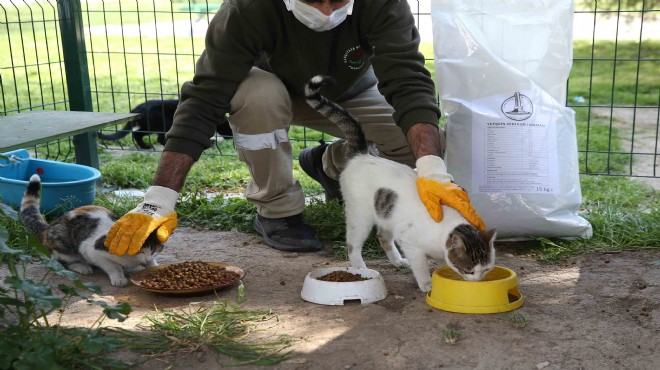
point(76, 238)
point(382, 193)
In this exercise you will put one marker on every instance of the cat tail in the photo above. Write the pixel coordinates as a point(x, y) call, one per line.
point(32, 219)
point(355, 139)
point(128, 128)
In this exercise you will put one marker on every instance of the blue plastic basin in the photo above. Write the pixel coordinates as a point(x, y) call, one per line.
point(64, 186)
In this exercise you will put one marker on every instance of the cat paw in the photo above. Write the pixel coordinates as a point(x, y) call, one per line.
point(359, 265)
point(81, 268)
point(122, 281)
point(401, 263)
point(426, 287)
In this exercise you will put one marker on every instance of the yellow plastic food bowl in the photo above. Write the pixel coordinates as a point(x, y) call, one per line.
point(498, 292)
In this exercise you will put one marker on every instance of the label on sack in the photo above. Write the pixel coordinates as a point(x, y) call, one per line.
point(514, 141)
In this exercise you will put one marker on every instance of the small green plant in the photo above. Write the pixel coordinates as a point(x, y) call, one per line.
point(31, 311)
point(222, 327)
point(217, 213)
point(28, 338)
point(451, 334)
point(517, 320)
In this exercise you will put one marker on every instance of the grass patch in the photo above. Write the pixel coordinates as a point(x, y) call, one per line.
point(451, 334)
point(13, 232)
point(597, 141)
point(621, 73)
point(31, 310)
point(30, 336)
point(329, 220)
point(218, 213)
point(516, 320)
point(226, 329)
point(624, 215)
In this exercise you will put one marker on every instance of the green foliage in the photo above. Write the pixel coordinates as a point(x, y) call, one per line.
point(119, 205)
point(329, 220)
point(618, 73)
point(29, 341)
point(134, 170)
point(27, 338)
point(14, 232)
point(624, 215)
point(58, 348)
point(609, 73)
point(516, 320)
point(618, 5)
point(451, 334)
point(214, 172)
point(223, 327)
point(218, 174)
point(217, 213)
point(599, 147)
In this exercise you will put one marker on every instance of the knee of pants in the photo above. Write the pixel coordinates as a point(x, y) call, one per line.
point(261, 104)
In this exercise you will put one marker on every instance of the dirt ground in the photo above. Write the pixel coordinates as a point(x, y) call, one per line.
point(597, 311)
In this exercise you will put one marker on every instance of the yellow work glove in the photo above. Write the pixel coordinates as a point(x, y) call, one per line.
point(435, 188)
point(156, 213)
point(433, 168)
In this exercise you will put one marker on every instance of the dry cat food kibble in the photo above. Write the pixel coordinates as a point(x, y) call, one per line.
point(342, 277)
point(189, 275)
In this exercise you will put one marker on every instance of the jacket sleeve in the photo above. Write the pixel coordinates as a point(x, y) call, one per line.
point(399, 66)
point(232, 47)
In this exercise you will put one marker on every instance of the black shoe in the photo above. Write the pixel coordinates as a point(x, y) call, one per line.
point(310, 162)
point(291, 234)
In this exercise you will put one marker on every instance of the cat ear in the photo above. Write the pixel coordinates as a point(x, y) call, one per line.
point(455, 243)
point(490, 235)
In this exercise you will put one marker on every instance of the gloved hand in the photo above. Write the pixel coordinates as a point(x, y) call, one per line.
point(435, 187)
point(155, 213)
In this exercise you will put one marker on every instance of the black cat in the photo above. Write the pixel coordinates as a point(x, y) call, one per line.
point(156, 117)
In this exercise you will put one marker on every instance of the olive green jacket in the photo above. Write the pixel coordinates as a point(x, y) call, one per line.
point(379, 37)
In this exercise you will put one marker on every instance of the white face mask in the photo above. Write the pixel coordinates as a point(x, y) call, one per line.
point(314, 18)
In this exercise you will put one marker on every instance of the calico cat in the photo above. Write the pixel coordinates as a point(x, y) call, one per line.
point(76, 238)
point(156, 117)
point(381, 192)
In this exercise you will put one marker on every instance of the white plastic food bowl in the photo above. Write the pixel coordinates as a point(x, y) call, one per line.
point(336, 293)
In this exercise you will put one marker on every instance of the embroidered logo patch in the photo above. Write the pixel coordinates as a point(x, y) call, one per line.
point(354, 58)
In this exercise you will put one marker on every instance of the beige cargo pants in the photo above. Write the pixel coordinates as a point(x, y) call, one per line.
point(261, 112)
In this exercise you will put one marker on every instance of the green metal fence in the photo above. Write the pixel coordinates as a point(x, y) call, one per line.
point(113, 56)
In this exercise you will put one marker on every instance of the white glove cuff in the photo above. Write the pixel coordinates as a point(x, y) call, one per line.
point(161, 196)
point(430, 165)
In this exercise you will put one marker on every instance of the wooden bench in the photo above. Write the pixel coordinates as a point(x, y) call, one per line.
point(35, 127)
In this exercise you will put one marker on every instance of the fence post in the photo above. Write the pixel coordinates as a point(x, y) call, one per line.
point(77, 75)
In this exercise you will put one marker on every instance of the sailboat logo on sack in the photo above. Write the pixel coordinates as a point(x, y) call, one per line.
point(518, 107)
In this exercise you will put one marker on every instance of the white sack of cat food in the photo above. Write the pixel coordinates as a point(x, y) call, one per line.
point(502, 68)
